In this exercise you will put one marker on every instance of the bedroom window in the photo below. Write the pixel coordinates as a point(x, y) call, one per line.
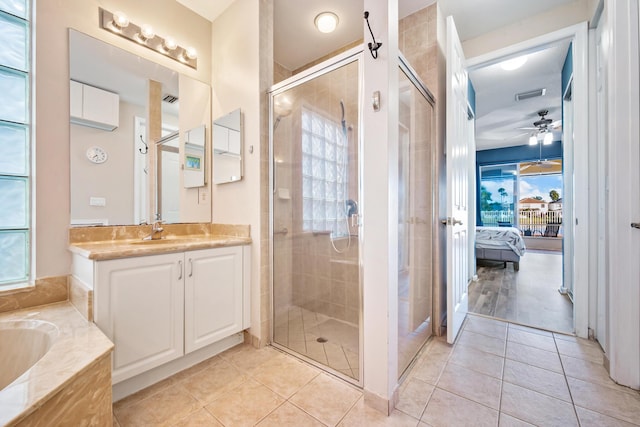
point(324, 177)
point(15, 143)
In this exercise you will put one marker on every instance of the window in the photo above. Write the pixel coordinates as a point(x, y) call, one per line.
point(15, 142)
point(324, 174)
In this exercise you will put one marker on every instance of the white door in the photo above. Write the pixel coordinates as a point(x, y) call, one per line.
point(213, 296)
point(457, 154)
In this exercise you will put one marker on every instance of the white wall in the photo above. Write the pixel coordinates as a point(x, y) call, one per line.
point(236, 84)
point(534, 26)
point(51, 131)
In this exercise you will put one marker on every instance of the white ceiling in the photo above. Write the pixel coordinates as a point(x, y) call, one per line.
point(297, 42)
point(499, 117)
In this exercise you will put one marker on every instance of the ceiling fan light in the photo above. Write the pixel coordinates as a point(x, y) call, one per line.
point(533, 140)
point(548, 138)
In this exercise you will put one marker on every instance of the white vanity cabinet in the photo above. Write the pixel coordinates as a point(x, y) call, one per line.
point(168, 307)
point(139, 305)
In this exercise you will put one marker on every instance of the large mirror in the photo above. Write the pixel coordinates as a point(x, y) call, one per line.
point(139, 135)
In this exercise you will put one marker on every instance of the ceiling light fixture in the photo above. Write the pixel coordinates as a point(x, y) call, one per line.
point(326, 22)
point(533, 139)
point(513, 64)
point(548, 138)
point(118, 23)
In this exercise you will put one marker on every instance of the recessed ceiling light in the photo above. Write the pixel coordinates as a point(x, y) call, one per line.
point(326, 22)
point(513, 64)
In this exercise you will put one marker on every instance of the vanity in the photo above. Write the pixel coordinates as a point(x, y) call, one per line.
point(166, 304)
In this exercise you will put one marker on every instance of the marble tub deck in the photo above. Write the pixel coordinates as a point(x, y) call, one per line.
point(76, 371)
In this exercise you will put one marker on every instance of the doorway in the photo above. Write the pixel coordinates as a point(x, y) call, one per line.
point(573, 163)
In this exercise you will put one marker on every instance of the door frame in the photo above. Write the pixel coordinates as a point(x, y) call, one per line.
point(576, 241)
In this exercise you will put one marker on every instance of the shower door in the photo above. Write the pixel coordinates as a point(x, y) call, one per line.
point(315, 193)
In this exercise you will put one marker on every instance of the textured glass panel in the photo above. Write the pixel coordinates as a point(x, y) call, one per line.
point(330, 152)
point(330, 209)
point(318, 189)
point(13, 200)
point(14, 148)
point(340, 192)
point(329, 133)
point(340, 155)
point(306, 142)
point(14, 43)
point(307, 209)
point(13, 87)
point(318, 210)
point(318, 146)
point(318, 225)
point(317, 167)
point(306, 187)
point(330, 191)
point(306, 165)
point(306, 121)
point(14, 255)
point(316, 125)
point(15, 7)
point(330, 171)
point(306, 225)
point(341, 228)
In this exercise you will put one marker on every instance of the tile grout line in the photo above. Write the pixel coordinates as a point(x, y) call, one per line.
point(566, 381)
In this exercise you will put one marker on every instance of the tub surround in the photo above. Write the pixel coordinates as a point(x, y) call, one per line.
point(46, 290)
point(112, 242)
point(71, 383)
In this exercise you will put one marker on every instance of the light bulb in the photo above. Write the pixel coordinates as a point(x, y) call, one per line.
point(120, 20)
point(548, 138)
point(326, 22)
point(169, 44)
point(533, 140)
point(190, 53)
point(146, 33)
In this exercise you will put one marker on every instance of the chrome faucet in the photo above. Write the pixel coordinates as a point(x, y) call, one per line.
point(156, 231)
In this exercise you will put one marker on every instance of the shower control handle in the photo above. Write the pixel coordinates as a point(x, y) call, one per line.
point(355, 220)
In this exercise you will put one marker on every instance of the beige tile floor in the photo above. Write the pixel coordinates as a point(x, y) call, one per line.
point(496, 374)
point(529, 296)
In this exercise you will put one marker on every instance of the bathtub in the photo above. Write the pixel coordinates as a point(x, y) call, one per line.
point(22, 344)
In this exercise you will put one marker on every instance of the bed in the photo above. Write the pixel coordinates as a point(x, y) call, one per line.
point(500, 244)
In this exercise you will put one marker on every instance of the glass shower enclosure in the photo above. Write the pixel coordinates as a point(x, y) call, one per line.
point(314, 216)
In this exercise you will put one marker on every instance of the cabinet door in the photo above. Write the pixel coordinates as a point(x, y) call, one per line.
point(75, 99)
point(140, 306)
point(213, 295)
point(100, 106)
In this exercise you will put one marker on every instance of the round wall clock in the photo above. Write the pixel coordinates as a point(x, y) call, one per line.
point(96, 155)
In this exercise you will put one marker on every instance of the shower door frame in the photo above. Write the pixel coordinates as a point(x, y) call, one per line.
point(414, 78)
point(354, 54)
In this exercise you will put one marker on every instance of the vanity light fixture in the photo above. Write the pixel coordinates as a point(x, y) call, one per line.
point(119, 24)
point(326, 22)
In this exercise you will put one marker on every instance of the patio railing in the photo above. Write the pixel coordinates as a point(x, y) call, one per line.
point(530, 223)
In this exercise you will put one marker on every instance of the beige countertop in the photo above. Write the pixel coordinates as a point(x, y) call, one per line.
point(136, 247)
point(112, 242)
point(79, 344)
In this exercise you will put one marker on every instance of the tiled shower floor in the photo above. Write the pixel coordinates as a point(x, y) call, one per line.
point(332, 342)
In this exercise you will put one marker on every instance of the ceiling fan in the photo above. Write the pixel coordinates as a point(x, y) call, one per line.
point(538, 165)
point(544, 124)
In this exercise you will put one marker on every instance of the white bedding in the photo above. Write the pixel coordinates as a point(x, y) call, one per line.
point(500, 238)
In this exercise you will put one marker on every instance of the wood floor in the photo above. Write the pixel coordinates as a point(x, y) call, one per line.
point(529, 296)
